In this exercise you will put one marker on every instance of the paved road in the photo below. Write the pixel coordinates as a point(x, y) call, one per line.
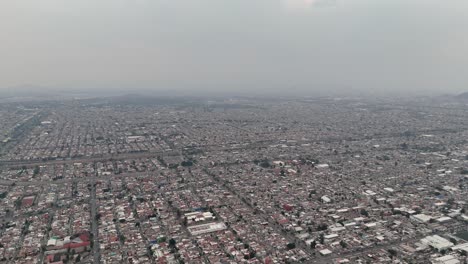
point(209, 148)
point(94, 224)
point(92, 179)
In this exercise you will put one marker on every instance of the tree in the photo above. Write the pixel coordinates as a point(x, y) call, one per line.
point(343, 244)
point(172, 242)
point(450, 201)
point(265, 164)
point(313, 244)
point(322, 227)
point(291, 245)
point(392, 252)
point(453, 240)
point(187, 163)
point(364, 212)
point(36, 170)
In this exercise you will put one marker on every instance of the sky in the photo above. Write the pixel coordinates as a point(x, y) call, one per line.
point(236, 46)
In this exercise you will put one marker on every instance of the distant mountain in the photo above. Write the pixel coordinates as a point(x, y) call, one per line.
point(24, 93)
point(144, 99)
point(463, 95)
point(454, 98)
point(25, 90)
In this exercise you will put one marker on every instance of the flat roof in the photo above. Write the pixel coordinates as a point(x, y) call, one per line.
point(206, 228)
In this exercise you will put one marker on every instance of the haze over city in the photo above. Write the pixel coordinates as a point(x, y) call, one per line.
point(233, 132)
point(409, 47)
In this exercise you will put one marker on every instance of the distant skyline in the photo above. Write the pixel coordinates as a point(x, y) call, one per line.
point(378, 47)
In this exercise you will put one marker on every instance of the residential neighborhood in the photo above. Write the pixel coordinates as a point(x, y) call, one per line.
point(236, 181)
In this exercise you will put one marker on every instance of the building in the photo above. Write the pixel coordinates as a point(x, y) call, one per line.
point(437, 242)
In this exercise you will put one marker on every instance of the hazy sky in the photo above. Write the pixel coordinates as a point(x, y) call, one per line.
point(236, 45)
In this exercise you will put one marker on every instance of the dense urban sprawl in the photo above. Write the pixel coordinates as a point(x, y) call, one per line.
point(234, 181)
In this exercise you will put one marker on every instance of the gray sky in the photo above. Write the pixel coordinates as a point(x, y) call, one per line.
point(310, 46)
